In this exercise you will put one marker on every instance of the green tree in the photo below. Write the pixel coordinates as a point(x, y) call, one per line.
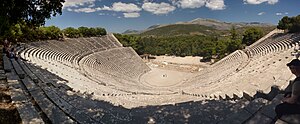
point(295, 24)
point(71, 32)
point(100, 31)
point(233, 33)
point(284, 23)
point(51, 32)
point(34, 12)
point(292, 24)
point(221, 47)
point(14, 33)
point(251, 35)
point(234, 45)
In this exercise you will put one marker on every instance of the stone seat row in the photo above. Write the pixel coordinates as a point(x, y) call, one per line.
point(76, 99)
point(106, 74)
point(273, 44)
point(73, 76)
point(122, 62)
point(49, 51)
point(65, 103)
point(222, 69)
point(111, 83)
point(51, 103)
point(80, 102)
point(231, 61)
point(267, 73)
point(71, 47)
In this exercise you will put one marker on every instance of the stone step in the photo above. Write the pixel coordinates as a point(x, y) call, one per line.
point(7, 64)
point(291, 119)
point(23, 103)
point(54, 113)
point(18, 69)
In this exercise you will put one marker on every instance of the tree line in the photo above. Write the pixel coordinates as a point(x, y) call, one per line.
point(290, 24)
point(194, 45)
point(22, 21)
point(22, 32)
point(14, 14)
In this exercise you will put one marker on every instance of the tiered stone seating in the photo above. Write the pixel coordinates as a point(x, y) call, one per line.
point(256, 111)
point(247, 75)
point(111, 72)
point(261, 75)
point(118, 62)
point(52, 99)
point(111, 61)
point(20, 98)
point(71, 51)
point(274, 43)
point(217, 72)
point(65, 52)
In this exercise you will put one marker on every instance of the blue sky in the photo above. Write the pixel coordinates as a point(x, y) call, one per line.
point(120, 15)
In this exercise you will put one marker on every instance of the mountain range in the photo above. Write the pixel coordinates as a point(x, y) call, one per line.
point(197, 26)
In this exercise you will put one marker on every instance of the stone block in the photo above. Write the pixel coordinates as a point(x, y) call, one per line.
point(7, 64)
point(269, 110)
point(28, 114)
point(291, 119)
point(12, 77)
point(237, 118)
point(255, 105)
point(51, 110)
point(259, 119)
point(18, 96)
point(280, 122)
point(18, 69)
point(30, 85)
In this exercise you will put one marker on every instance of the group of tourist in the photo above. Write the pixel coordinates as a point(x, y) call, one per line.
point(9, 50)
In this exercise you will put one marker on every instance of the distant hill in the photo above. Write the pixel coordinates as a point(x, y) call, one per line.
point(224, 25)
point(181, 29)
point(200, 26)
point(130, 31)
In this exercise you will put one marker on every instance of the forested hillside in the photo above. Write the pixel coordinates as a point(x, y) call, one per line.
point(205, 41)
point(182, 29)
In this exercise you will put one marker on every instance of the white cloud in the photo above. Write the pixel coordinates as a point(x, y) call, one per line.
point(158, 8)
point(130, 10)
point(211, 4)
point(122, 7)
point(278, 13)
point(215, 4)
point(103, 8)
point(261, 13)
point(286, 13)
point(189, 3)
point(131, 15)
point(260, 1)
point(76, 3)
point(85, 10)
